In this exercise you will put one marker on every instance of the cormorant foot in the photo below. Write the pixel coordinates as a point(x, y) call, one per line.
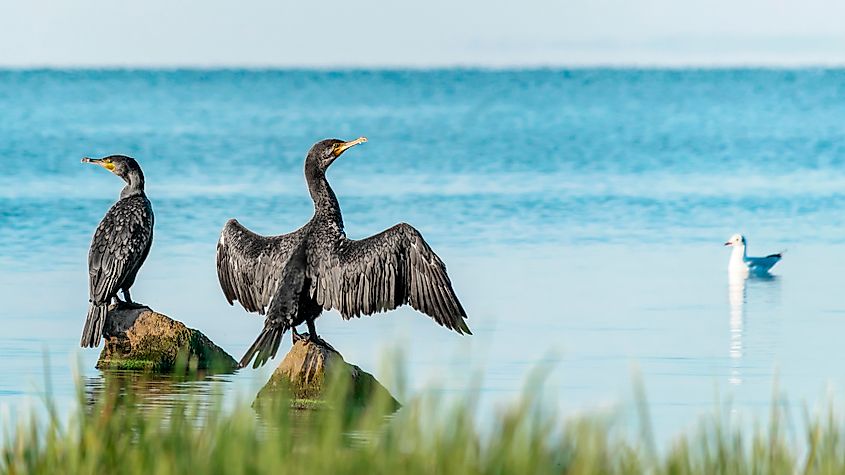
point(295, 336)
point(314, 338)
point(129, 305)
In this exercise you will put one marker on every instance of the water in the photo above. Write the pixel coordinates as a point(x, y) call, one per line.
point(581, 214)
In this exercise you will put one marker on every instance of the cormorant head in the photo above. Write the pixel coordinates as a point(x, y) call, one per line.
point(120, 165)
point(736, 240)
point(324, 152)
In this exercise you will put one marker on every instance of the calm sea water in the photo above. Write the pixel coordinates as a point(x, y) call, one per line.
point(581, 214)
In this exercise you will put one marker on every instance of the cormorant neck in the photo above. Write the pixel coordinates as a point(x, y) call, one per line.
point(134, 184)
point(325, 201)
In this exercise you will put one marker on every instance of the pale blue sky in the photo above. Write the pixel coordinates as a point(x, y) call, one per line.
point(420, 34)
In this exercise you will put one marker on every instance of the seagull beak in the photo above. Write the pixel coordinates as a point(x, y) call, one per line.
point(728, 244)
point(344, 146)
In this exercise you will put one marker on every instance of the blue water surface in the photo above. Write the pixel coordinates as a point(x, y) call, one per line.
point(581, 213)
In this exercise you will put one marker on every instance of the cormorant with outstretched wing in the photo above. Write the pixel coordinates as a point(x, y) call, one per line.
point(292, 278)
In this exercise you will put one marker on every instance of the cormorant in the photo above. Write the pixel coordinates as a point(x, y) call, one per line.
point(120, 245)
point(294, 277)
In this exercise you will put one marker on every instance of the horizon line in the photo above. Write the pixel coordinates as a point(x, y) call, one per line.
point(427, 67)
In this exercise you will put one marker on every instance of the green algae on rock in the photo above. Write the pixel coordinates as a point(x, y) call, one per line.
point(142, 339)
point(309, 367)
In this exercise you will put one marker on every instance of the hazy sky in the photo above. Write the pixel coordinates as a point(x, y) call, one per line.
point(420, 33)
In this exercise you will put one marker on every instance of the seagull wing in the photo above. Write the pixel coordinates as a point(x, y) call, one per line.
point(763, 263)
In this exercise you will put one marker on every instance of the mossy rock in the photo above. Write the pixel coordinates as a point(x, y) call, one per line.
point(304, 376)
point(144, 340)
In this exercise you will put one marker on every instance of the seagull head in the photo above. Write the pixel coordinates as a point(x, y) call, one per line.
point(736, 240)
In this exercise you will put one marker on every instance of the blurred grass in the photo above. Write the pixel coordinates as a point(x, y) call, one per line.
point(429, 435)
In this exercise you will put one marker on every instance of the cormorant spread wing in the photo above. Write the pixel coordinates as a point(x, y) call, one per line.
point(249, 266)
point(383, 272)
point(282, 309)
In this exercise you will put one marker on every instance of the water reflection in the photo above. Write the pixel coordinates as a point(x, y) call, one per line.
point(736, 297)
point(767, 290)
point(154, 391)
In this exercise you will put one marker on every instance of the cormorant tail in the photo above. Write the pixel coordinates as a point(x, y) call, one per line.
point(265, 346)
point(94, 325)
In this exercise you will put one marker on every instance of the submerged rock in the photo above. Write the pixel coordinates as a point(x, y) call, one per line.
point(142, 339)
point(306, 372)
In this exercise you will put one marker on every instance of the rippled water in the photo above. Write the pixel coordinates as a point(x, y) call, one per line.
point(581, 214)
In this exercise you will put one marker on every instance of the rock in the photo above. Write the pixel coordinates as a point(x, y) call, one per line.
point(139, 338)
point(309, 367)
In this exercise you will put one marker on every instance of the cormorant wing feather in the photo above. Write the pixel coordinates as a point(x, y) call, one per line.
point(385, 271)
point(281, 311)
point(121, 241)
point(249, 266)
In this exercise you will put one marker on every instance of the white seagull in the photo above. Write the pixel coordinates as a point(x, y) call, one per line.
point(741, 262)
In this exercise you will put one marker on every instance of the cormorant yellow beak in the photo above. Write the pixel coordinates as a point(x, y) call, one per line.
point(343, 146)
point(103, 162)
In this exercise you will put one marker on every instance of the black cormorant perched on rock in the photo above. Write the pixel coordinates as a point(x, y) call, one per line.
point(294, 277)
point(120, 245)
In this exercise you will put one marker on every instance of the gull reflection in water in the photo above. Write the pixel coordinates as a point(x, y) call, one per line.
point(736, 297)
point(738, 282)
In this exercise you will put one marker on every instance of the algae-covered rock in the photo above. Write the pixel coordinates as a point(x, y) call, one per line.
point(142, 339)
point(307, 370)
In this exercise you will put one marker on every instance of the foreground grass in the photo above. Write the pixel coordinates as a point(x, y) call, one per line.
point(114, 435)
